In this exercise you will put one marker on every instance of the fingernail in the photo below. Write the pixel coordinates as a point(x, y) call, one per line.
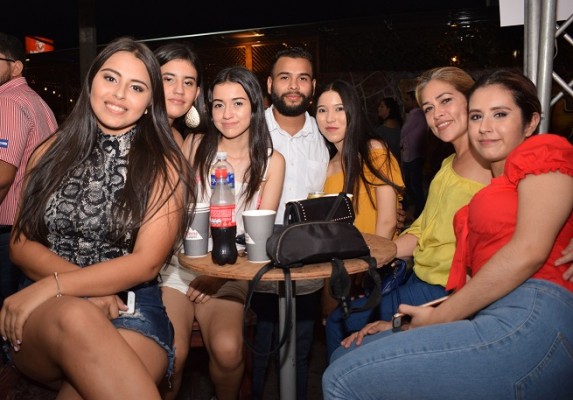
point(4, 338)
point(18, 341)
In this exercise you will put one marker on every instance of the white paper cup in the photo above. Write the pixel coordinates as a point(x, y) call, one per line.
point(197, 238)
point(259, 225)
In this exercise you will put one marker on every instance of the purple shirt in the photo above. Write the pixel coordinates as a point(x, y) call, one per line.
point(412, 135)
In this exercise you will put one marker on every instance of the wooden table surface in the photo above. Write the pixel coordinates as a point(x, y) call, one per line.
point(382, 249)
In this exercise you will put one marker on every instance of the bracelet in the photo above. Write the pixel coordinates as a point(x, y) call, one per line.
point(59, 293)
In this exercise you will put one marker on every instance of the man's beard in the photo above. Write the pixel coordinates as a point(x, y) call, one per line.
point(4, 78)
point(290, 111)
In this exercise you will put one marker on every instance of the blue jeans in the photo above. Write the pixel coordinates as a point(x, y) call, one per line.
point(519, 347)
point(10, 275)
point(266, 307)
point(414, 291)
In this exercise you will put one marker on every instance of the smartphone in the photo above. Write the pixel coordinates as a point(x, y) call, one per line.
point(400, 319)
point(128, 298)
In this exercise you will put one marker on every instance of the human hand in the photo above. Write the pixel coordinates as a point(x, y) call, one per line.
point(369, 329)
point(566, 258)
point(18, 307)
point(203, 287)
point(109, 305)
point(420, 315)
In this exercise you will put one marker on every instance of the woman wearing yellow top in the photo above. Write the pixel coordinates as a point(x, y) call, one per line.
point(362, 165)
point(430, 239)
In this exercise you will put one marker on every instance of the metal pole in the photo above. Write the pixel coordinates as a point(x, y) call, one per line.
point(531, 38)
point(546, 42)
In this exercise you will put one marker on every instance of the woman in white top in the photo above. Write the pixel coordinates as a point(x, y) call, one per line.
point(238, 128)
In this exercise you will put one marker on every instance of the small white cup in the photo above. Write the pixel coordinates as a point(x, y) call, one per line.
point(197, 238)
point(259, 225)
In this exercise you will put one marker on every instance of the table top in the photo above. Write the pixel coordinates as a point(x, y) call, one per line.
point(382, 249)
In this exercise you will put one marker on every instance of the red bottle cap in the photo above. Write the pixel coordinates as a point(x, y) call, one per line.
point(221, 173)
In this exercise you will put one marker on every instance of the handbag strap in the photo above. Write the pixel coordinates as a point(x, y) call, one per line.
point(376, 294)
point(335, 206)
point(340, 286)
point(288, 309)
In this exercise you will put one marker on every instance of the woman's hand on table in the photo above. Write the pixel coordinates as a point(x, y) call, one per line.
point(203, 287)
point(370, 329)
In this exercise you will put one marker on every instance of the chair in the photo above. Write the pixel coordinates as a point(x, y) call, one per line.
point(196, 342)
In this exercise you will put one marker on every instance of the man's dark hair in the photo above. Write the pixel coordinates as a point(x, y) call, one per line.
point(293, 52)
point(12, 47)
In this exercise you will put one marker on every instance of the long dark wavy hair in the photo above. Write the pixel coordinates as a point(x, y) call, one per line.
point(153, 151)
point(182, 51)
point(356, 154)
point(259, 138)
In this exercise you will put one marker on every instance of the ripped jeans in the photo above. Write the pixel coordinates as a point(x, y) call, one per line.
point(150, 319)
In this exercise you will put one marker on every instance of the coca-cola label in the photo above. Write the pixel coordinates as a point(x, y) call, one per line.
point(222, 216)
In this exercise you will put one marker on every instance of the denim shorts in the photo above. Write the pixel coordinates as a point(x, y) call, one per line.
point(150, 319)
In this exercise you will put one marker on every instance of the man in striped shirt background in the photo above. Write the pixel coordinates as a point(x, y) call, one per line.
point(25, 120)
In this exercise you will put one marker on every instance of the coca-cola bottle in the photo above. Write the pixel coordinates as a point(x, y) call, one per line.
point(222, 220)
point(221, 162)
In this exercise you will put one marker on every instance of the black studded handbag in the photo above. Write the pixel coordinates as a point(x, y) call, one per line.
point(315, 241)
point(337, 208)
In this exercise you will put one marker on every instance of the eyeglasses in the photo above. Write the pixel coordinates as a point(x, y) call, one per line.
point(7, 59)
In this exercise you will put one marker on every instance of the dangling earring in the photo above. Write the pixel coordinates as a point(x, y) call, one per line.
point(192, 119)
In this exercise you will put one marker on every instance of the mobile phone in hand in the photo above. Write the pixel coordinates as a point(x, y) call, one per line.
point(128, 298)
point(400, 319)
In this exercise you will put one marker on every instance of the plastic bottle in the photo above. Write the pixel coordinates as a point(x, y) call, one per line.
point(221, 161)
point(222, 220)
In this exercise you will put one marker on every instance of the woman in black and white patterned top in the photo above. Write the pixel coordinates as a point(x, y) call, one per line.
point(101, 209)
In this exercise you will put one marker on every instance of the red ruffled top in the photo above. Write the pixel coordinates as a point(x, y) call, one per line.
point(487, 223)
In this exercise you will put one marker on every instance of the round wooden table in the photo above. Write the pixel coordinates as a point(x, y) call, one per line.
point(382, 249)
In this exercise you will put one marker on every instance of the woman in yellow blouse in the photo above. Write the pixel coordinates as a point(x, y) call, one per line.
point(362, 165)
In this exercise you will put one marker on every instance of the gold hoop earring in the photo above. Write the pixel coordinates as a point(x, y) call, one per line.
point(192, 118)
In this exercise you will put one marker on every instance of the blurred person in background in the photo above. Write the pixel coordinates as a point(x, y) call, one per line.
point(25, 121)
point(390, 125)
